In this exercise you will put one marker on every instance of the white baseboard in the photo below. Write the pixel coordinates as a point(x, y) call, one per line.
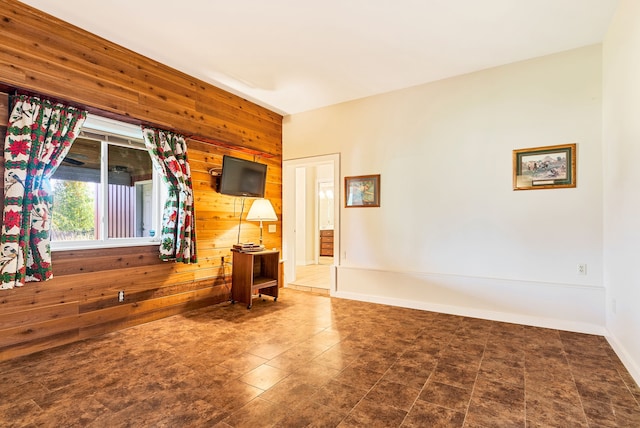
point(628, 362)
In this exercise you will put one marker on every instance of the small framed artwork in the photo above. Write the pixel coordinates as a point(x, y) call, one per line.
point(362, 191)
point(549, 167)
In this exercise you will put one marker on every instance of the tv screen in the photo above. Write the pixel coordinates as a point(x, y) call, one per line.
point(242, 177)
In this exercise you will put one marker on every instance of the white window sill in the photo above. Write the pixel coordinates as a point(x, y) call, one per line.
point(93, 245)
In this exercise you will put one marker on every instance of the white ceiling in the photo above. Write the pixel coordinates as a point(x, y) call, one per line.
point(297, 55)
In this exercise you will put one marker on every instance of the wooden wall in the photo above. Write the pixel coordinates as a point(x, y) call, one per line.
point(43, 55)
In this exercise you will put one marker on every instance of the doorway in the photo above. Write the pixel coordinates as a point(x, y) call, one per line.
point(311, 234)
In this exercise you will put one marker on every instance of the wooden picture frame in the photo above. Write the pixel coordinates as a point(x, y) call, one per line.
point(362, 191)
point(549, 167)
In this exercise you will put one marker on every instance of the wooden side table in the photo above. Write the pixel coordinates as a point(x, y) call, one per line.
point(256, 272)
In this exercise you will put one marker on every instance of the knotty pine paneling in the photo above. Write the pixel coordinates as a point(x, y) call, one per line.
point(53, 57)
point(44, 55)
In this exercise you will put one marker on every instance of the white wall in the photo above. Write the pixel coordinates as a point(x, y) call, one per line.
point(310, 220)
point(325, 203)
point(307, 205)
point(444, 152)
point(300, 217)
point(621, 123)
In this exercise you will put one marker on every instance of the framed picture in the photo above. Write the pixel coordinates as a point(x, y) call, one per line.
point(549, 167)
point(362, 191)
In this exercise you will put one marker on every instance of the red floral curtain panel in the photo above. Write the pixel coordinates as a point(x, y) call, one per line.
point(169, 154)
point(39, 136)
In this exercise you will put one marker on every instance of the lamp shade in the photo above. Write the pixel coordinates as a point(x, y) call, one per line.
point(262, 210)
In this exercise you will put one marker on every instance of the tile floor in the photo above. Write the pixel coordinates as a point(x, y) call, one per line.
point(311, 360)
point(314, 278)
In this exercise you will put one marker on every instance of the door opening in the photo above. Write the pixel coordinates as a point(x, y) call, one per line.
point(311, 235)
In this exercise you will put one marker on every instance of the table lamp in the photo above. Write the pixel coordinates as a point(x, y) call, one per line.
point(261, 210)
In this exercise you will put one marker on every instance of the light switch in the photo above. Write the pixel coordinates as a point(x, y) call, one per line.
point(272, 228)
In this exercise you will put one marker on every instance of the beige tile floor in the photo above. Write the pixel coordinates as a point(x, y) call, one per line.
point(313, 278)
point(312, 360)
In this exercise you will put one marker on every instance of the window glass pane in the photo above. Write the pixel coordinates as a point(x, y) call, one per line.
point(75, 186)
point(129, 192)
point(82, 163)
point(105, 189)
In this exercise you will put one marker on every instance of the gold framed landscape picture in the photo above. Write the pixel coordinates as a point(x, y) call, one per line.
point(362, 191)
point(548, 167)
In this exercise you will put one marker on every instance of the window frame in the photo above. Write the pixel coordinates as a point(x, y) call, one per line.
point(121, 134)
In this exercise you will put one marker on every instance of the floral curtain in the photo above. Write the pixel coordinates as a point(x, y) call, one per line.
point(169, 154)
point(39, 135)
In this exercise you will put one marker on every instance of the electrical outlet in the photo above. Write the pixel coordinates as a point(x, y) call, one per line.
point(272, 228)
point(121, 296)
point(581, 269)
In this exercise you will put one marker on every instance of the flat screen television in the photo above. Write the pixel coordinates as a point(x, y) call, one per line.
point(242, 177)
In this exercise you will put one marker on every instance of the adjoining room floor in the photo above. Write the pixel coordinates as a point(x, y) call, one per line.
point(311, 360)
point(315, 278)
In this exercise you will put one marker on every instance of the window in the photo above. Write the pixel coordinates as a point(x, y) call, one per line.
point(106, 191)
